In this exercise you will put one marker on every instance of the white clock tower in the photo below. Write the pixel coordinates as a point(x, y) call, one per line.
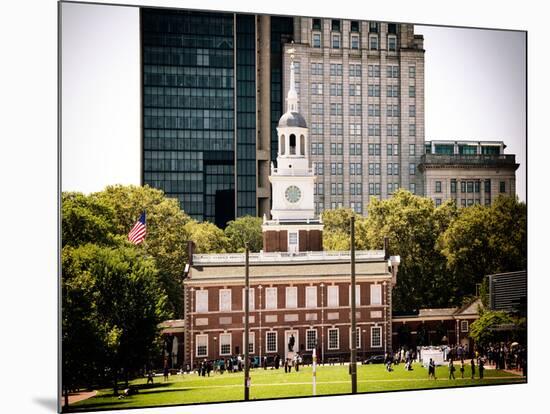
point(292, 183)
point(293, 180)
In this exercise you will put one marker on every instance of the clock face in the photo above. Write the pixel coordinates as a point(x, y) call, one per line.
point(293, 194)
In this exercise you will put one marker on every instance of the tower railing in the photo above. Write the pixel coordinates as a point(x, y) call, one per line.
point(344, 255)
point(292, 171)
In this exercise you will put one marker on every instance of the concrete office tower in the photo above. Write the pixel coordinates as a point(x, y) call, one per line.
point(468, 172)
point(361, 90)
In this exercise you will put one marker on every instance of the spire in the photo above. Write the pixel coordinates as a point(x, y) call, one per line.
point(292, 96)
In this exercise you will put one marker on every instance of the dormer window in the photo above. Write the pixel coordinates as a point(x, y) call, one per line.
point(316, 24)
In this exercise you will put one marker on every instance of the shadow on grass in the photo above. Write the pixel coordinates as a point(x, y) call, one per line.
point(90, 407)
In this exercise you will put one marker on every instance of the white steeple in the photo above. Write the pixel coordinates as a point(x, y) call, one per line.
point(292, 96)
point(293, 179)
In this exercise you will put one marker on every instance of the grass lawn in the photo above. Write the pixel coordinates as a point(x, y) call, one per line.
point(266, 384)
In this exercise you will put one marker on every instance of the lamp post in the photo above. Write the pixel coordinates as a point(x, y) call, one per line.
point(191, 325)
point(260, 287)
point(364, 344)
point(322, 323)
point(353, 361)
point(246, 326)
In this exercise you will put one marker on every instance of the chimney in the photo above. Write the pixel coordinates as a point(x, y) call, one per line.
point(386, 248)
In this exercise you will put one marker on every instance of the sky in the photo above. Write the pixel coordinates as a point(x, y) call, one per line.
point(475, 84)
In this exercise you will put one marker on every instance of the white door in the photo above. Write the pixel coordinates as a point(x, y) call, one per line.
point(293, 242)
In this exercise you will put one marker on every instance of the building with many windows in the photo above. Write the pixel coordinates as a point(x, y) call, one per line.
point(468, 172)
point(299, 294)
point(212, 95)
point(211, 92)
point(361, 88)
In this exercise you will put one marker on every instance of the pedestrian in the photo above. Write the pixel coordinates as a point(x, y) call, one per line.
point(462, 369)
point(473, 365)
point(166, 370)
point(431, 369)
point(480, 365)
point(451, 369)
point(150, 377)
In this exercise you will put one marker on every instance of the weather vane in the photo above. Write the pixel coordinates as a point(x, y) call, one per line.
point(291, 52)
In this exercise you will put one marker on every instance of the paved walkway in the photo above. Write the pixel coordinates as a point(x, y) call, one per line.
point(78, 396)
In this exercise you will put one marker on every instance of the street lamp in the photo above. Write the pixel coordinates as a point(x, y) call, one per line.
point(246, 325)
point(322, 323)
point(353, 359)
point(260, 287)
point(364, 344)
point(191, 327)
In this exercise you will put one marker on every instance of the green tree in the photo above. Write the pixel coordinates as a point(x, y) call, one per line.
point(482, 330)
point(111, 307)
point(337, 220)
point(336, 240)
point(167, 234)
point(85, 220)
point(413, 225)
point(208, 238)
point(244, 230)
point(486, 239)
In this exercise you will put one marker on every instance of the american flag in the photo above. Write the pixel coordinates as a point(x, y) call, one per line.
point(138, 232)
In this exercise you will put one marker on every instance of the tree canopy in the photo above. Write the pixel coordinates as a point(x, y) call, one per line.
point(242, 231)
point(112, 305)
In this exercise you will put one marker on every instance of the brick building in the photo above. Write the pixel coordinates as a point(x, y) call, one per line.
point(299, 294)
point(436, 326)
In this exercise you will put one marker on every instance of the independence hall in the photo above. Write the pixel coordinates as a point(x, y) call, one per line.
point(299, 297)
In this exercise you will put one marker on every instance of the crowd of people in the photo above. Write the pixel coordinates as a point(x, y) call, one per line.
point(235, 363)
point(504, 355)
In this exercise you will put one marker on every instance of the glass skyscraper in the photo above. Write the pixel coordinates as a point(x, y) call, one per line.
point(199, 110)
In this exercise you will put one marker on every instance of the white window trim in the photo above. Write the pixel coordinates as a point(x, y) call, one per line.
point(267, 351)
point(220, 302)
point(372, 329)
point(227, 334)
point(358, 329)
point(312, 305)
point(466, 324)
point(251, 304)
point(337, 288)
point(287, 290)
point(251, 341)
point(316, 338)
point(267, 303)
point(357, 294)
point(197, 345)
point(337, 338)
point(204, 294)
point(373, 288)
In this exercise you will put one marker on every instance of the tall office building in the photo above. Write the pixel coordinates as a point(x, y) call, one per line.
point(361, 89)
point(211, 87)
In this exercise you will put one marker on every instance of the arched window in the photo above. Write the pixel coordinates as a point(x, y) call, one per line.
point(302, 145)
point(282, 145)
point(292, 144)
